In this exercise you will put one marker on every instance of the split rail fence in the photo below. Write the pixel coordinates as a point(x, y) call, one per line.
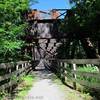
point(68, 69)
point(11, 73)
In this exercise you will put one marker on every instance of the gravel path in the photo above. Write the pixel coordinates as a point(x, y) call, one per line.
point(49, 87)
point(44, 88)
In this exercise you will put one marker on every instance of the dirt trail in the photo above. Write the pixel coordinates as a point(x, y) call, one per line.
point(47, 88)
point(44, 88)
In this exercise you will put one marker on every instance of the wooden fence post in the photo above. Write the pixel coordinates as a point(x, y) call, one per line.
point(22, 65)
point(10, 82)
point(25, 64)
point(74, 76)
point(62, 72)
point(65, 68)
point(22, 68)
point(60, 65)
point(58, 69)
point(17, 67)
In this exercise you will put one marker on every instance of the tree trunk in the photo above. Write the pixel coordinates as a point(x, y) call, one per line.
point(89, 49)
point(73, 49)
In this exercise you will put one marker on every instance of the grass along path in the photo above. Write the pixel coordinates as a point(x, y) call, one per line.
point(45, 88)
point(24, 87)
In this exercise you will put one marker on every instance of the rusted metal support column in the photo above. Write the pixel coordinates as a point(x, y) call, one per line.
point(54, 14)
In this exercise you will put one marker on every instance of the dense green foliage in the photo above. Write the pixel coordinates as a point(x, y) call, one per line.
point(91, 69)
point(82, 24)
point(84, 18)
point(12, 26)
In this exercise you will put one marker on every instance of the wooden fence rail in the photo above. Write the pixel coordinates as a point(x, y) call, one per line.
point(13, 74)
point(89, 79)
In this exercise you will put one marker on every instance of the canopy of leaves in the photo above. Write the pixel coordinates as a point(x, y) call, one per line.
point(83, 18)
point(12, 25)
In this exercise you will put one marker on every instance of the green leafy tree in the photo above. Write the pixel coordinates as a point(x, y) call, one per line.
point(82, 22)
point(12, 26)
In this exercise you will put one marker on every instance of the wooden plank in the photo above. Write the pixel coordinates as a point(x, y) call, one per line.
point(9, 84)
point(21, 62)
point(11, 74)
point(88, 84)
point(74, 75)
point(11, 64)
point(79, 61)
point(6, 65)
point(82, 61)
point(84, 82)
point(19, 71)
point(90, 74)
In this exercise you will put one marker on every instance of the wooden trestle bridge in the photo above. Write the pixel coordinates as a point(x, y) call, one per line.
point(44, 42)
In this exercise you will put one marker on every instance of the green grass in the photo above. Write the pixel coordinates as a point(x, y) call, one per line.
point(22, 89)
point(2, 94)
point(88, 68)
point(84, 68)
point(25, 86)
point(91, 69)
point(71, 94)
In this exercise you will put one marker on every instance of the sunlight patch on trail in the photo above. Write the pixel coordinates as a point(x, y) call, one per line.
point(45, 90)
